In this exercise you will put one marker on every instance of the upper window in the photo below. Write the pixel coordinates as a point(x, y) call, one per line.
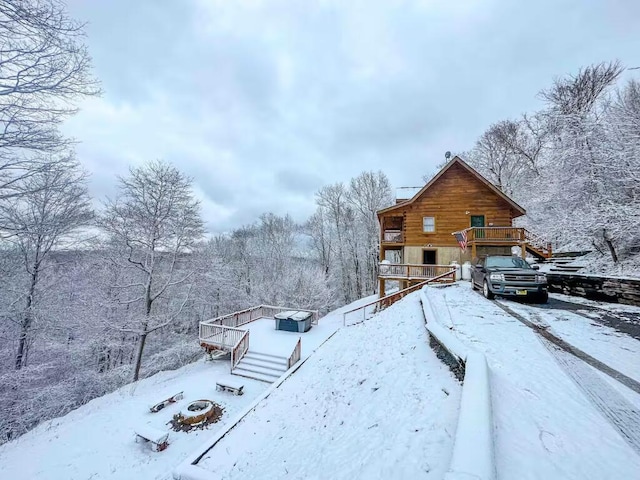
point(428, 224)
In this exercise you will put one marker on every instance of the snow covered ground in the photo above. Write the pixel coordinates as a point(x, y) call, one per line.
point(616, 349)
point(545, 425)
point(373, 402)
point(97, 440)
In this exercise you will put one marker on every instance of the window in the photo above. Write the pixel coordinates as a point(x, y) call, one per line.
point(428, 224)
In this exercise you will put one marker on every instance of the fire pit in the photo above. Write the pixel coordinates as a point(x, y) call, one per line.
point(197, 415)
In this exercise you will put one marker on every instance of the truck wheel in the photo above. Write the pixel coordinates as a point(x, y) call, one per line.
point(543, 298)
point(486, 292)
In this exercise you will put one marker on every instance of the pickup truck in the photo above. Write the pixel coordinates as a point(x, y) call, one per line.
point(508, 276)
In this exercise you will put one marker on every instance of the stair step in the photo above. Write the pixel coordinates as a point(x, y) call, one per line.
point(255, 375)
point(265, 357)
point(281, 367)
point(261, 369)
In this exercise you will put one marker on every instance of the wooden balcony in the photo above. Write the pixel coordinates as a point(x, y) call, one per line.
point(499, 236)
point(392, 236)
point(407, 271)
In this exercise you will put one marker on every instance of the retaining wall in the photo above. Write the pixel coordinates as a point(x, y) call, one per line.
point(608, 289)
point(473, 449)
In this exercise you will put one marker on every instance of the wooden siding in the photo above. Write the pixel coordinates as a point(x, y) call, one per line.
point(448, 200)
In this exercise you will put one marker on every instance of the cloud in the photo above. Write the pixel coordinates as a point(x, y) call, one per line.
point(263, 102)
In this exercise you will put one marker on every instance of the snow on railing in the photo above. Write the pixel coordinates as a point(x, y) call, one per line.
point(377, 305)
point(237, 319)
point(500, 234)
point(239, 349)
point(295, 355)
point(220, 336)
point(410, 270)
point(506, 235)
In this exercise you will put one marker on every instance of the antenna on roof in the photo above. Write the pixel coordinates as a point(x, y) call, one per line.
point(447, 155)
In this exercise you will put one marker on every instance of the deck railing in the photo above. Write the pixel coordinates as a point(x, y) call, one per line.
point(411, 271)
point(220, 336)
point(392, 236)
point(295, 355)
point(506, 236)
point(237, 319)
point(371, 308)
point(495, 234)
point(239, 349)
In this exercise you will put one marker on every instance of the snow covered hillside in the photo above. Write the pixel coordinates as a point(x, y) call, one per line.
point(373, 402)
point(378, 388)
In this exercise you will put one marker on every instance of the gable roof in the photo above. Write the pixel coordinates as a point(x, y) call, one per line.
point(457, 161)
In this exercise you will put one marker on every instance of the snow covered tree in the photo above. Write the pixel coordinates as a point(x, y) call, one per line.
point(345, 232)
point(55, 204)
point(44, 71)
point(153, 225)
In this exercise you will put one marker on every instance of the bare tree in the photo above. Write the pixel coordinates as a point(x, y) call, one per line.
point(368, 193)
point(153, 223)
point(55, 206)
point(321, 239)
point(44, 70)
point(577, 95)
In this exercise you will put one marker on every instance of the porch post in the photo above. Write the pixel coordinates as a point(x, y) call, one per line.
point(523, 247)
point(473, 251)
point(381, 288)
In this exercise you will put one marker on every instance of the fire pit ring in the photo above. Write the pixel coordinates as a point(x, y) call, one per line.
point(197, 412)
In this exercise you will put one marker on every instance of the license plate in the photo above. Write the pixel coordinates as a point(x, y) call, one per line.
point(521, 292)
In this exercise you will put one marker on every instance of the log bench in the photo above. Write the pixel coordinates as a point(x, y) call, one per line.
point(229, 385)
point(159, 439)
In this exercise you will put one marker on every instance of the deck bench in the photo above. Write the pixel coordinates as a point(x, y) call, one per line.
point(173, 399)
point(159, 439)
point(229, 385)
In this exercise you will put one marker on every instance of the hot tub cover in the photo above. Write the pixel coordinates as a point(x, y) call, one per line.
point(299, 316)
point(285, 315)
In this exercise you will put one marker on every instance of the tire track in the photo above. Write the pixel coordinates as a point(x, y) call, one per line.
point(542, 329)
point(618, 411)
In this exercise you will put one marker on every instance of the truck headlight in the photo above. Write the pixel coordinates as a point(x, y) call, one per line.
point(497, 276)
point(541, 279)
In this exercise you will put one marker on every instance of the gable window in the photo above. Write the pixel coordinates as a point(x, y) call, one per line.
point(428, 224)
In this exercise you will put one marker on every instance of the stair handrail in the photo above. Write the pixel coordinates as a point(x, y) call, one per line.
point(390, 299)
point(295, 355)
point(239, 350)
point(537, 241)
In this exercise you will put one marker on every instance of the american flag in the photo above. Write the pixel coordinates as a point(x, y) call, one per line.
point(461, 237)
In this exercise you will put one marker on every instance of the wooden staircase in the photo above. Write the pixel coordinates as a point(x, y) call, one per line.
point(261, 366)
point(536, 246)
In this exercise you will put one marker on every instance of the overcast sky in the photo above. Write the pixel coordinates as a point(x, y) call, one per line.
point(264, 102)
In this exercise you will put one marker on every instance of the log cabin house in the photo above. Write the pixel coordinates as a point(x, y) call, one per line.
point(417, 235)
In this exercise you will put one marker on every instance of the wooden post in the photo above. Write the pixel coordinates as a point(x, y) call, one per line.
point(381, 289)
point(473, 251)
point(523, 246)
